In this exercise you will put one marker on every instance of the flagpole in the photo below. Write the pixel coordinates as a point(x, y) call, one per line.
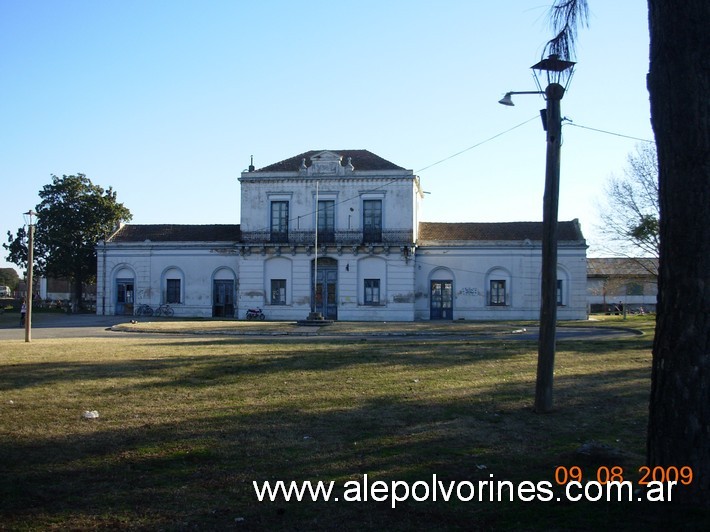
point(315, 266)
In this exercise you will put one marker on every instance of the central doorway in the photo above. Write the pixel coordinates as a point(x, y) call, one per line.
point(325, 292)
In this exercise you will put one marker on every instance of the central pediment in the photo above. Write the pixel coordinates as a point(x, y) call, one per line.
point(326, 163)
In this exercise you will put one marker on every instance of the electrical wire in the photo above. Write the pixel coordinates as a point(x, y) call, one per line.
point(478, 144)
point(570, 123)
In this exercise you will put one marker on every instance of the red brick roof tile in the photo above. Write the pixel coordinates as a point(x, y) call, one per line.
point(176, 233)
point(566, 231)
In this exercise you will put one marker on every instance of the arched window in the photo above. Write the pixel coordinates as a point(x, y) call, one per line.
point(372, 281)
point(173, 286)
point(498, 287)
point(277, 278)
point(562, 287)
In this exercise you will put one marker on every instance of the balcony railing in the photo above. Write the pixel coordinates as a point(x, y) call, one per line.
point(345, 238)
point(326, 236)
point(278, 237)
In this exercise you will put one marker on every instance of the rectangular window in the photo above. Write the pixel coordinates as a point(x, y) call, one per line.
point(497, 294)
point(279, 221)
point(560, 293)
point(278, 291)
point(372, 291)
point(172, 292)
point(326, 221)
point(634, 289)
point(372, 220)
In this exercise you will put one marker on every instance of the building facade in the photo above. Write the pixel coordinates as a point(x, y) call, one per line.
point(618, 283)
point(338, 233)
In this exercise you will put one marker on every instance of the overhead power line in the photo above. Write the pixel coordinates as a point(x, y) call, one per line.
point(478, 144)
point(570, 123)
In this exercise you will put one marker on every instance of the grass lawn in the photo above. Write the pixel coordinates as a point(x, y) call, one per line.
point(186, 424)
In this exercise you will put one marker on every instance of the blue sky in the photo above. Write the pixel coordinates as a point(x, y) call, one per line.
point(165, 101)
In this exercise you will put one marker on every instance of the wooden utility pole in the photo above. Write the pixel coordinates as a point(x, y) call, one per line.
point(30, 268)
point(548, 304)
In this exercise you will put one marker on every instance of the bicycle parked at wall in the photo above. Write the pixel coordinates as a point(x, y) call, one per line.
point(164, 310)
point(144, 310)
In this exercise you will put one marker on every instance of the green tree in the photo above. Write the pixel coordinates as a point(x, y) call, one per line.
point(9, 277)
point(678, 83)
point(72, 217)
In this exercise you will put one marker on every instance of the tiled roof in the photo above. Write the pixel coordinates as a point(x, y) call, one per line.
point(361, 159)
point(512, 231)
point(176, 233)
point(566, 231)
point(619, 266)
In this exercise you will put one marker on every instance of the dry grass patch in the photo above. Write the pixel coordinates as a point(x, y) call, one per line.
point(216, 326)
point(187, 423)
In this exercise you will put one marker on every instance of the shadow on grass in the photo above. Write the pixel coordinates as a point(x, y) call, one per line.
point(194, 468)
point(199, 473)
point(307, 355)
point(206, 370)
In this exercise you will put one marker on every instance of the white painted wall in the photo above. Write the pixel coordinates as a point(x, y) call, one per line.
point(395, 273)
point(470, 267)
point(404, 281)
point(149, 265)
point(396, 193)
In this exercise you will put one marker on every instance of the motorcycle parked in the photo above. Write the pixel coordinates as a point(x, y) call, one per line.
point(255, 314)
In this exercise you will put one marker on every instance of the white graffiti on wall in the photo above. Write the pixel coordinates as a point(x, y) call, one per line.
point(468, 292)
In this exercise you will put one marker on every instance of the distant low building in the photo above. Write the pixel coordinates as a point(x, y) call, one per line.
point(614, 283)
point(55, 291)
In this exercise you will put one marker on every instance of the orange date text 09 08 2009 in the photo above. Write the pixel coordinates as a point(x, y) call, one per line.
point(605, 474)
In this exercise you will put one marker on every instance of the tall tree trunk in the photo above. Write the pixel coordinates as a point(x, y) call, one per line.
point(679, 87)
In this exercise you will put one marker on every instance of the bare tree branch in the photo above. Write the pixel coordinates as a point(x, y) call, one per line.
point(630, 213)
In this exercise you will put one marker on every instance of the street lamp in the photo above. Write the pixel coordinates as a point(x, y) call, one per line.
point(557, 71)
point(507, 100)
point(30, 267)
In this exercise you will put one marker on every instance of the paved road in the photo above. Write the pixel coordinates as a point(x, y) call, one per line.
point(90, 326)
point(63, 326)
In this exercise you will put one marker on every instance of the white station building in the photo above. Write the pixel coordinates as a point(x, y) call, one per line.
point(339, 233)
